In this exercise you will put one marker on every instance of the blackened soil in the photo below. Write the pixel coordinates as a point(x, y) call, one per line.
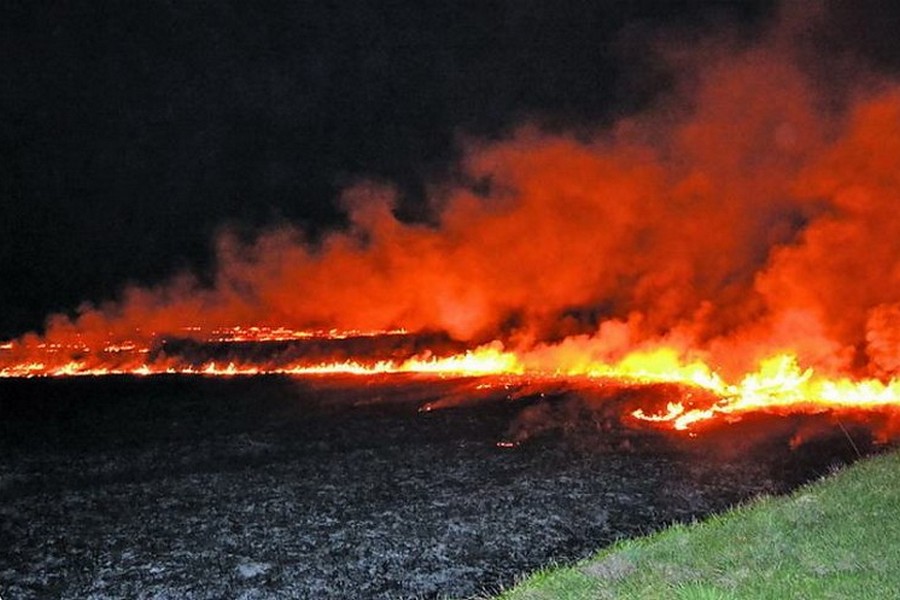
point(187, 487)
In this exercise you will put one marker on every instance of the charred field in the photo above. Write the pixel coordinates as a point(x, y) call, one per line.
point(396, 486)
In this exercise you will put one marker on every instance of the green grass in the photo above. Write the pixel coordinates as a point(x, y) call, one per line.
point(836, 538)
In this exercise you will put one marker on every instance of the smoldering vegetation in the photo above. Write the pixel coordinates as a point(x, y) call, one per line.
point(364, 349)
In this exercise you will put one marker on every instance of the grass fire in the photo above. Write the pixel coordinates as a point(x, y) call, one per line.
point(739, 237)
point(409, 301)
point(779, 386)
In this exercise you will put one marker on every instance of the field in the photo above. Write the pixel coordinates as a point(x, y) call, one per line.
point(337, 487)
point(837, 538)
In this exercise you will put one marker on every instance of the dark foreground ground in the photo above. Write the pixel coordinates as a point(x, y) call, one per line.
point(179, 487)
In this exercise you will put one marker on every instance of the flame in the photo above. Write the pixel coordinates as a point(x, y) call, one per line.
point(779, 384)
point(738, 240)
point(254, 333)
point(485, 360)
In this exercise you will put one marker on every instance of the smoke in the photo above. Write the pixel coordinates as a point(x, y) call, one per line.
point(749, 211)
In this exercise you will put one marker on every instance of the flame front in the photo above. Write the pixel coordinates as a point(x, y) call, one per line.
point(779, 384)
point(739, 239)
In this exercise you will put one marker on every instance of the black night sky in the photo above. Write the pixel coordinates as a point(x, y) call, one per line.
point(132, 132)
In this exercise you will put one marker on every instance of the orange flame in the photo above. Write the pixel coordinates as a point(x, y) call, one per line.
point(781, 385)
point(778, 385)
point(742, 242)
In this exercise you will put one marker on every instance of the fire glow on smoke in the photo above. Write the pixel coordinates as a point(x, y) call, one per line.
point(741, 238)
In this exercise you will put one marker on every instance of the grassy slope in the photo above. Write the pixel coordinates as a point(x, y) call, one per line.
point(836, 538)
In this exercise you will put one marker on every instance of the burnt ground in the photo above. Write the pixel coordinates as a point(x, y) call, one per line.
point(191, 487)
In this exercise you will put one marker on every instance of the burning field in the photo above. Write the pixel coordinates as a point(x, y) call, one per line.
point(679, 395)
point(718, 273)
point(739, 238)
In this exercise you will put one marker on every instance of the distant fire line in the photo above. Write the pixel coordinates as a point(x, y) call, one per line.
point(779, 384)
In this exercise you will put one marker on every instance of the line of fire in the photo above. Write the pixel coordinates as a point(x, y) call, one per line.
point(738, 244)
point(691, 397)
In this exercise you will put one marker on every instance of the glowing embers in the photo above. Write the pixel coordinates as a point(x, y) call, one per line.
point(281, 334)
